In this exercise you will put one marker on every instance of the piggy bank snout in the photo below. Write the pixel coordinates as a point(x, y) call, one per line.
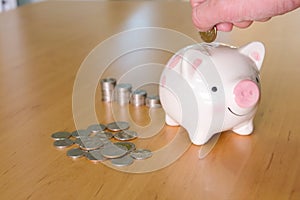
point(246, 93)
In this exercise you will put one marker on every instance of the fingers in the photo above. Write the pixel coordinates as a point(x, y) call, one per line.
point(195, 3)
point(243, 24)
point(203, 19)
point(225, 27)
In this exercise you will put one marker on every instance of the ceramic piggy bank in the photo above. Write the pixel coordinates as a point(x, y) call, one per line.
point(209, 88)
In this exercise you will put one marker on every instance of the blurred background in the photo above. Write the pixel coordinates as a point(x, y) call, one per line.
point(11, 4)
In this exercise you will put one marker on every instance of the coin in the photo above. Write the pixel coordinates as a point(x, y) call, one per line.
point(122, 93)
point(79, 133)
point(138, 97)
point(209, 36)
point(122, 161)
point(96, 128)
point(118, 126)
point(141, 154)
point(125, 135)
point(63, 143)
point(91, 143)
point(75, 153)
point(128, 145)
point(108, 83)
point(153, 101)
point(78, 141)
point(113, 151)
point(95, 156)
point(104, 135)
point(60, 135)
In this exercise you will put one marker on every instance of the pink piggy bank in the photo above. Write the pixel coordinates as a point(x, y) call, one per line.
point(209, 88)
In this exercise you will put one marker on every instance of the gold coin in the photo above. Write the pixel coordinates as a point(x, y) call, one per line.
point(209, 36)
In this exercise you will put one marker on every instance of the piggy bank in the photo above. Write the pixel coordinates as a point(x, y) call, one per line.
point(210, 88)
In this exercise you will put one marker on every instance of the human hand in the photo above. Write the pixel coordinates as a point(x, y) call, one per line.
point(224, 14)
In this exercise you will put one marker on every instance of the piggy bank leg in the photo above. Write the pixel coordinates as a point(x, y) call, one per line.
point(170, 121)
point(245, 128)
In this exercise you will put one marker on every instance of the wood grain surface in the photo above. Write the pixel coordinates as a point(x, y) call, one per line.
point(42, 47)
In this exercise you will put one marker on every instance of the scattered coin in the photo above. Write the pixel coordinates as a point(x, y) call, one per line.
point(91, 143)
point(125, 135)
point(118, 126)
point(122, 161)
point(113, 151)
point(96, 128)
point(141, 154)
point(104, 135)
point(95, 156)
point(209, 36)
point(79, 133)
point(61, 135)
point(75, 153)
point(63, 143)
point(128, 145)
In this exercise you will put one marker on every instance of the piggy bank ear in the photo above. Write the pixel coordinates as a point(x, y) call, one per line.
point(192, 61)
point(255, 51)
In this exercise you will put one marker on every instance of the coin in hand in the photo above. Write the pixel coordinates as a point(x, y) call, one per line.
point(209, 36)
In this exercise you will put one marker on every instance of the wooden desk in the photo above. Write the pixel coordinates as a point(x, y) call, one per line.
point(43, 45)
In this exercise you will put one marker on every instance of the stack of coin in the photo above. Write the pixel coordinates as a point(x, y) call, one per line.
point(122, 93)
point(107, 88)
point(153, 102)
point(138, 98)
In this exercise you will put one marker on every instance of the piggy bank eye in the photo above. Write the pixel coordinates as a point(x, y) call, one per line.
point(214, 89)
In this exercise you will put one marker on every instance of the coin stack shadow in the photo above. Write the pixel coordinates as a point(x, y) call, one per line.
point(123, 93)
point(107, 89)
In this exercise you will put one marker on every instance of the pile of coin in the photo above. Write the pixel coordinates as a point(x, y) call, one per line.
point(122, 94)
point(96, 144)
point(107, 88)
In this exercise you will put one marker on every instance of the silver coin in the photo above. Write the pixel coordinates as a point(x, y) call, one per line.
point(96, 128)
point(118, 126)
point(63, 143)
point(123, 87)
point(141, 154)
point(104, 135)
point(138, 97)
point(113, 151)
point(95, 156)
point(79, 133)
point(108, 83)
point(128, 145)
point(75, 153)
point(153, 102)
point(125, 135)
point(78, 141)
point(122, 161)
point(61, 135)
point(91, 143)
